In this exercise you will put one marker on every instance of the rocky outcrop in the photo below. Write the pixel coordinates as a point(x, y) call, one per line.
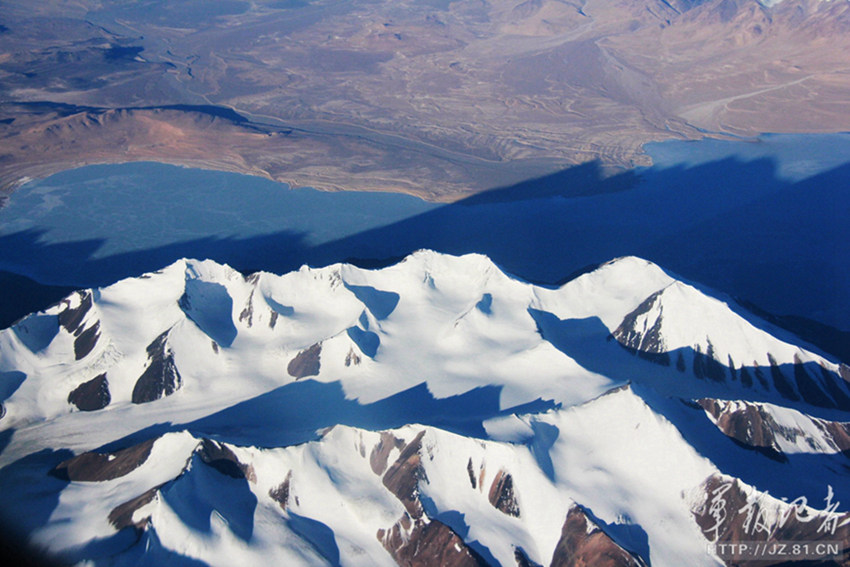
point(402, 478)
point(522, 559)
point(583, 543)
point(352, 358)
point(161, 377)
point(92, 395)
point(752, 424)
point(419, 543)
point(280, 493)
point(74, 310)
point(247, 314)
point(96, 467)
point(381, 452)
point(73, 318)
point(502, 495)
point(647, 343)
point(731, 513)
point(748, 424)
point(306, 363)
point(122, 516)
point(416, 540)
point(222, 459)
point(86, 341)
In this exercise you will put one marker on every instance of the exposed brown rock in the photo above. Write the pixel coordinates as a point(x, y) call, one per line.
point(247, 314)
point(427, 544)
point(584, 544)
point(727, 515)
point(95, 467)
point(649, 343)
point(753, 425)
point(306, 363)
point(280, 493)
point(222, 459)
point(381, 452)
point(92, 395)
point(161, 377)
point(502, 495)
point(273, 319)
point(352, 358)
point(402, 478)
point(838, 432)
point(122, 516)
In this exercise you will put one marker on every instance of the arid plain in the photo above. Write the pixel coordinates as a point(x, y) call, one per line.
point(434, 98)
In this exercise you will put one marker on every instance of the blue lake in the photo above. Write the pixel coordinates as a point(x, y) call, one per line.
point(764, 220)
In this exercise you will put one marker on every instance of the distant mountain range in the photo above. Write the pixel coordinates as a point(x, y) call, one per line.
point(434, 412)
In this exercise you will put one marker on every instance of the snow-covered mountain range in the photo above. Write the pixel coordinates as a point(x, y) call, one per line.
point(434, 412)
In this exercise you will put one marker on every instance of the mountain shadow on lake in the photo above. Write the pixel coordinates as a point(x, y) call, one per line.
point(731, 225)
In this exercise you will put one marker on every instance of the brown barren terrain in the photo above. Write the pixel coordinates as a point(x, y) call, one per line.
point(439, 99)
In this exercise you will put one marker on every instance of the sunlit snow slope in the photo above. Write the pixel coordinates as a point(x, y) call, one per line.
point(435, 412)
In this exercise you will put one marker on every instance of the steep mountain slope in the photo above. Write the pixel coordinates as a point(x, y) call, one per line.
point(435, 412)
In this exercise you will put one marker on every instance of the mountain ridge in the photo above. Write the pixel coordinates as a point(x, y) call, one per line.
point(437, 410)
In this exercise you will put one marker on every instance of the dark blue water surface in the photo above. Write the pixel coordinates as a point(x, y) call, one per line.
point(765, 220)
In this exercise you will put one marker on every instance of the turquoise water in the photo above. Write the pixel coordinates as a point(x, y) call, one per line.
point(797, 156)
point(762, 220)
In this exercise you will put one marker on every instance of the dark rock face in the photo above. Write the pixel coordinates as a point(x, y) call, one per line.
point(122, 516)
point(95, 467)
point(280, 494)
point(92, 395)
point(161, 377)
point(502, 495)
point(70, 318)
point(583, 544)
point(306, 363)
point(352, 358)
point(86, 341)
point(222, 459)
point(648, 344)
point(727, 515)
point(402, 478)
point(381, 452)
point(427, 544)
point(754, 426)
point(522, 559)
point(247, 314)
point(751, 425)
point(416, 540)
point(471, 472)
